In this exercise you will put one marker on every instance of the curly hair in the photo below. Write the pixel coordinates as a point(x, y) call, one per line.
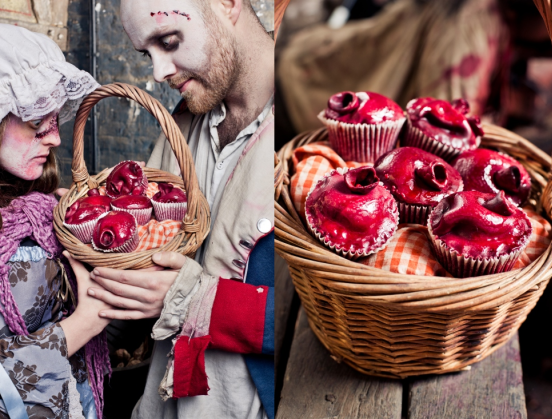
point(12, 187)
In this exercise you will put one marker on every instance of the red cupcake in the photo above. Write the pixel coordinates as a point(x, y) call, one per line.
point(138, 205)
point(169, 203)
point(352, 213)
point(475, 233)
point(490, 172)
point(82, 215)
point(362, 126)
point(418, 180)
point(126, 178)
point(441, 127)
point(116, 231)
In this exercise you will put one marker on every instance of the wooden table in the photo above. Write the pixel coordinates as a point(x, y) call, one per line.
point(310, 384)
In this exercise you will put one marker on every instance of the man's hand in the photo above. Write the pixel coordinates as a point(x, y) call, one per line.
point(140, 293)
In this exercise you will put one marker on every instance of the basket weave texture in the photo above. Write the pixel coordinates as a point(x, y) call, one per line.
point(196, 223)
point(392, 325)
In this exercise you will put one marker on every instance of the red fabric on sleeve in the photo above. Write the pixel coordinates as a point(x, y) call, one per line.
point(190, 378)
point(237, 319)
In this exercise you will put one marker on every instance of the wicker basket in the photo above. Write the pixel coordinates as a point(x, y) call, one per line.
point(394, 325)
point(197, 220)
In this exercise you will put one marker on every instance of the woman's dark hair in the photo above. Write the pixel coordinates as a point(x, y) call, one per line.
point(12, 187)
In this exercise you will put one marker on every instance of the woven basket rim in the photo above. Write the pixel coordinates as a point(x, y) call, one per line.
point(196, 224)
point(410, 292)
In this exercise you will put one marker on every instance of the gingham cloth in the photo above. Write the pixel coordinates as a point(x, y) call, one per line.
point(311, 163)
point(409, 250)
point(155, 233)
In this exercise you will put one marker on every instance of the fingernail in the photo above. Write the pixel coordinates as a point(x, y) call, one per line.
point(102, 314)
point(91, 292)
point(65, 253)
point(156, 257)
point(95, 272)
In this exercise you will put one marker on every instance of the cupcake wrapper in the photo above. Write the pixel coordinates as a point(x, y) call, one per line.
point(128, 247)
point(414, 214)
point(416, 138)
point(363, 143)
point(142, 215)
point(169, 211)
point(83, 231)
point(344, 252)
point(461, 266)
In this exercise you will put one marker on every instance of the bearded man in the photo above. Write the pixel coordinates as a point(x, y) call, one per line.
point(220, 58)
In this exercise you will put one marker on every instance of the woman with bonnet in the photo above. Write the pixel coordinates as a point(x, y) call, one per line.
point(52, 352)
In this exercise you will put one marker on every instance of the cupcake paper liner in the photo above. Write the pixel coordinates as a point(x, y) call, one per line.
point(363, 143)
point(461, 266)
point(416, 138)
point(83, 231)
point(128, 247)
point(414, 214)
point(336, 248)
point(169, 211)
point(142, 215)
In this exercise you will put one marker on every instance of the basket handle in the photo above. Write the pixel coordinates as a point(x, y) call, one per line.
point(168, 125)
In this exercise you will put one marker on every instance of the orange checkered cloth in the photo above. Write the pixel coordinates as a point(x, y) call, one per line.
point(311, 163)
point(409, 251)
point(155, 233)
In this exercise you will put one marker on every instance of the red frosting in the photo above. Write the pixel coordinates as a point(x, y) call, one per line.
point(114, 230)
point(362, 108)
point(79, 213)
point(488, 171)
point(354, 212)
point(126, 178)
point(97, 200)
point(417, 177)
point(132, 202)
point(480, 225)
point(445, 122)
point(169, 194)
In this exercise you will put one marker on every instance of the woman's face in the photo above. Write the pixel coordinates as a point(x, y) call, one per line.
point(26, 145)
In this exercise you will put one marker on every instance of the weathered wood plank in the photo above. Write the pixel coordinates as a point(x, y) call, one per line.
point(492, 388)
point(317, 387)
point(284, 318)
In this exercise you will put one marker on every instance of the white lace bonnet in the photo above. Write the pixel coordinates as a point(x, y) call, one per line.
point(35, 79)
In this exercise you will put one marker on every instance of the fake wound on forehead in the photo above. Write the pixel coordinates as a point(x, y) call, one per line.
point(172, 12)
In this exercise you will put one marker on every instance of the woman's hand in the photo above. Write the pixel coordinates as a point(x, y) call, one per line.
point(84, 323)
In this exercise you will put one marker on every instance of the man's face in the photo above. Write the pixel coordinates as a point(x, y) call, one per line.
point(193, 51)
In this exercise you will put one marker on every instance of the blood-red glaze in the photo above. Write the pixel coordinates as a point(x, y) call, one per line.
point(103, 201)
point(132, 202)
point(488, 171)
point(417, 177)
point(93, 192)
point(114, 230)
point(480, 225)
point(79, 213)
point(359, 219)
point(445, 122)
point(126, 178)
point(362, 108)
point(169, 194)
